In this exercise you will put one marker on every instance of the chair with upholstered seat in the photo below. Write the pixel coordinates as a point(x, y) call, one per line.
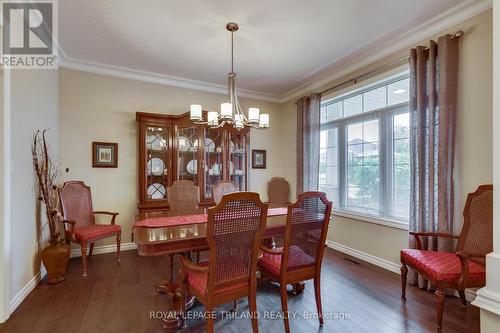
point(183, 195)
point(301, 255)
point(463, 269)
point(223, 187)
point(278, 190)
point(77, 212)
point(234, 229)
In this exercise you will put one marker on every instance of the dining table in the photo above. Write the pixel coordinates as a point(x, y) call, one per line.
point(172, 232)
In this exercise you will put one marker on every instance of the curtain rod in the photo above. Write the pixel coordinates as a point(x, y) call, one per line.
point(355, 80)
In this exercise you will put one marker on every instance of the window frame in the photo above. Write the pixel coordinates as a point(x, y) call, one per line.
point(385, 116)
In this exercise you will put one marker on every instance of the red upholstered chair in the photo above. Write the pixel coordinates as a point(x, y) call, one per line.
point(301, 255)
point(223, 187)
point(463, 269)
point(183, 195)
point(234, 230)
point(278, 190)
point(77, 212)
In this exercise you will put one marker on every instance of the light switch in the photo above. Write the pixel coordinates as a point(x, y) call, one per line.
point(12, 166)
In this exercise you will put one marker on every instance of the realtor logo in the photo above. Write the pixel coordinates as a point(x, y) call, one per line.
point(29, 34)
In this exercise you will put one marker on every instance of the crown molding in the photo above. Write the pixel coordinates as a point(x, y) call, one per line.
point(145, 76)
point(382, 48)
point(364, 56)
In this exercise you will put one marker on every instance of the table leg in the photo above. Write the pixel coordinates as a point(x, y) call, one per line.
point(298, 287)
point(174, 292)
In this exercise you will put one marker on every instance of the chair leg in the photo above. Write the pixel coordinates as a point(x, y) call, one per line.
point(284, 306)
point(404, 275)
point(84, 260)
point(317, 294)
point(118, 243)
point(439, 296)
point(252, 302)
point(210, 319)
point(235, 305)
point(91, 250)
point(462, 298)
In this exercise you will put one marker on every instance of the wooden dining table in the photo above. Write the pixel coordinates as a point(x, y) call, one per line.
point(168, 233)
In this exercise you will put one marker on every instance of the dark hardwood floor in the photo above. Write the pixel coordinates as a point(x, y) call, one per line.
point(120, 298)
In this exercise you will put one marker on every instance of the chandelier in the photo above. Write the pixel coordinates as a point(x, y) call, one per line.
point(231, 111)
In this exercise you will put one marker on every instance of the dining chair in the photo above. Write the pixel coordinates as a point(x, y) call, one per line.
point(301, 255)
point(223, 187)
point(183, 195)
point(278, 190)
point(234, 229)
point(466, 267)
point(76, 208)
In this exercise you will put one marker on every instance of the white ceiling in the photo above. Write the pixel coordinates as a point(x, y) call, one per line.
point(280, 45)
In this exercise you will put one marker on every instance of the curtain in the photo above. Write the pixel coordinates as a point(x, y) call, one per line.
point(433, 104)
point(308, 133)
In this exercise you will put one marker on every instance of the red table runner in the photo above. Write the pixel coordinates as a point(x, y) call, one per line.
point(170, 221)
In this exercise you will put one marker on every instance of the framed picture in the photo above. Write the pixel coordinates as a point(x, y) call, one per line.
point(104, 155)
point(258, 159)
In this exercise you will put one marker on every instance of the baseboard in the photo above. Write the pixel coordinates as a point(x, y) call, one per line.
point(23, 293)
point(105, 249)
point(386, 264)
point(488, 300)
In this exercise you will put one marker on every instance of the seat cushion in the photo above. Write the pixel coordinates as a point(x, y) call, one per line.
point(296, 259)
point(96, 231)
point(441, 266)
point(199, 281)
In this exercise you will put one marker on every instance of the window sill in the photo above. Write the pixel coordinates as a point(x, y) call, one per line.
point(386, 222)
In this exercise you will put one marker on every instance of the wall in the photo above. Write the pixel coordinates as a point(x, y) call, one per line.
point(34, 104)
point(4, 204)
point(488, 298)
point(473, 140)
point(96, 107)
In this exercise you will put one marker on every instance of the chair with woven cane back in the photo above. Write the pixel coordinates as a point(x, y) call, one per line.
point(466, 267)
point(278, 190)
point(234, 229)
point(223, 187)
point(301, 255)
point(183, 195)
point(76, 207)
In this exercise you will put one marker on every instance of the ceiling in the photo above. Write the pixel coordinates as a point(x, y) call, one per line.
point(280, 45)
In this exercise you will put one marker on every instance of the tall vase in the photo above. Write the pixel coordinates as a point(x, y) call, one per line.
point(55, 258)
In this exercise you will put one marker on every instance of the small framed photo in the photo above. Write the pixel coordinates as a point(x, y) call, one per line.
point(258, 159)
point(104, 155)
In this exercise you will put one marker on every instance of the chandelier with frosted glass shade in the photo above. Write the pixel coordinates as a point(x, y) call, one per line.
point(231, 111)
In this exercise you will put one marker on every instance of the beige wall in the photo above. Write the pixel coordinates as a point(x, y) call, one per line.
point(473, 140)
point(102, 108)
point(34, 99)
point(4, 222)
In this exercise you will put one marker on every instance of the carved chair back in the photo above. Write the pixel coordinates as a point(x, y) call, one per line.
point(278, 190)
point(76, 203)
point(305, 233)
point(476, 237)
point(234, 229)
point(183, 195)
point(223, 187)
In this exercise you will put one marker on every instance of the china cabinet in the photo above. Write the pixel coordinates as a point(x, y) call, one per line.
point(173, 148)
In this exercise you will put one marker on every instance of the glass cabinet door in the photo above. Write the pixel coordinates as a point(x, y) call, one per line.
point(157, 173)
point(187, 154)
point(213, 151)
point(238, 159)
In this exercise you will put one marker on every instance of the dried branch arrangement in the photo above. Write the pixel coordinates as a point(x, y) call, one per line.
point(47, 175)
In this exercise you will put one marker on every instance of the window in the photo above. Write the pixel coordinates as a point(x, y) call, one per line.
point(365, 149)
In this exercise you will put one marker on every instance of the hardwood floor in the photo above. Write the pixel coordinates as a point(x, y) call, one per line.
point(120, 297)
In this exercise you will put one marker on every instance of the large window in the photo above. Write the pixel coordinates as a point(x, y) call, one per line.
point(365, 149)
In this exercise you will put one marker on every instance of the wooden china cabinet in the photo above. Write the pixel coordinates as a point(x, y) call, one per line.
point(174, 148)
